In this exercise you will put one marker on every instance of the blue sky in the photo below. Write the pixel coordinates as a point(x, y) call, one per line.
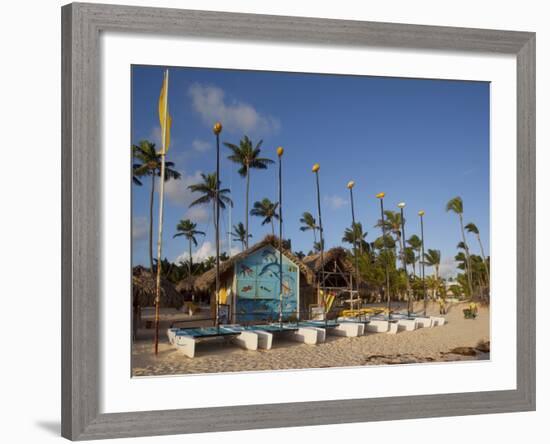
point(419, 141)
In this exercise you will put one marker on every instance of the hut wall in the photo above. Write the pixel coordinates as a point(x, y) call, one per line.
point(257, 287)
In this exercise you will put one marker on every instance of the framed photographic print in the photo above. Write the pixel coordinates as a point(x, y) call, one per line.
point(267, 206)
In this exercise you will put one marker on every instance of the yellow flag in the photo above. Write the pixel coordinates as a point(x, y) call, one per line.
point(164, 115)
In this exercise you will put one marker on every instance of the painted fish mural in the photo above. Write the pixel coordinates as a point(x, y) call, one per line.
point(258, 283)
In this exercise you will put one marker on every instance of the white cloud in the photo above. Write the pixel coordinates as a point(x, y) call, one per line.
point(205, 250)
point(140, 228)
point(201, 145)
point(211, 104)
point(335, 202)
point(447, 268)
point(235, 246)
point(154, 136)
point(198, 214)
point(176, 190)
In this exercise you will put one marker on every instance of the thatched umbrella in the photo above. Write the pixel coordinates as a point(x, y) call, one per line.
point(144, 290)
point(186, 285)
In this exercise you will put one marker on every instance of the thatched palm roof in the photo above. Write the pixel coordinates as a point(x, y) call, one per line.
point(338, 254)
point(187, 284)
point(144, 289)
point(208, 279)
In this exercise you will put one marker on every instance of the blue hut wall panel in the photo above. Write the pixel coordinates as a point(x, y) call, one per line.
point(257, 287)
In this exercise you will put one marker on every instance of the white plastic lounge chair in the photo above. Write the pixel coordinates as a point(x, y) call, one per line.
point(265, 339)
point(393, 328)
point(321, 334)
point(171, 333)
point(186, 339)
point(424, 322)
point(306, 335)
point(437, 321)
point(247, 340)
point(186, 345)
point(377, 326)
point(406, 324)
point(348, 329)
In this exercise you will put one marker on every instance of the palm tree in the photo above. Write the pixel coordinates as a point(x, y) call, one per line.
point(317, 246)
point(248, 157)
point(433, 259)
point(135, 174)
point(355, 235)
point(266, 209)
point(209, 263)
point(239, 234)
point(392, 224)
point(472, 228)
point(208, 190)
point(410, 258)
point(189, 230)
point(150, 165)
point(457, 206)
point(416, 244)
point(309, 223)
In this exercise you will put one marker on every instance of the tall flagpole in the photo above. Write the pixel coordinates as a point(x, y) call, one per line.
point(315, 169)
point(421, 214)
point(280, 152)
point(380, 196)
point(217, 130)
point(401, 205)
point(350, 186)
point(161, 213)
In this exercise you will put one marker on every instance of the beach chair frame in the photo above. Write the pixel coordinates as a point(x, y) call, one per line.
point(81, 218)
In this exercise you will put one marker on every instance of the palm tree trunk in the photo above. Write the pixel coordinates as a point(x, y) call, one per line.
point(190, 259)
point(272, 228)
point(214, 213)
point(247, 193)
point(466, 250)
point(151, 203)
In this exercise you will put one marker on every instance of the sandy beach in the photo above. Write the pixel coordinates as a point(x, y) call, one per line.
point(437, 344)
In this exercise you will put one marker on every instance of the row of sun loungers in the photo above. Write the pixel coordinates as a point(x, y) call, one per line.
point(308, 332)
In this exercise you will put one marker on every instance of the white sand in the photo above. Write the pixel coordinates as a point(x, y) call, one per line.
point(423, 345)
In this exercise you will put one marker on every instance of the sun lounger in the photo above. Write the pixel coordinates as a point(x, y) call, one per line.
point(334, 328)
point(422, 322)
point(377, 326)
point(437, 321)
point(406, 324)
point(291, 332)
point(307, 335)
point(186, 338)
point(349, 329)
point(345, 327)
point(264, 338)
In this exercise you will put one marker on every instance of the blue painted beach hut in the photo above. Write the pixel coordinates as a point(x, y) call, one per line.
point(250, 284)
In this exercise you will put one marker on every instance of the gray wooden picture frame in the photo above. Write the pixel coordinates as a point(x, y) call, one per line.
point(81, 231)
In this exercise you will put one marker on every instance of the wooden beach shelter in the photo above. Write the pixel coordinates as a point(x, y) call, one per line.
point(144, 290)
point(337, 271)
point(249, 284)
